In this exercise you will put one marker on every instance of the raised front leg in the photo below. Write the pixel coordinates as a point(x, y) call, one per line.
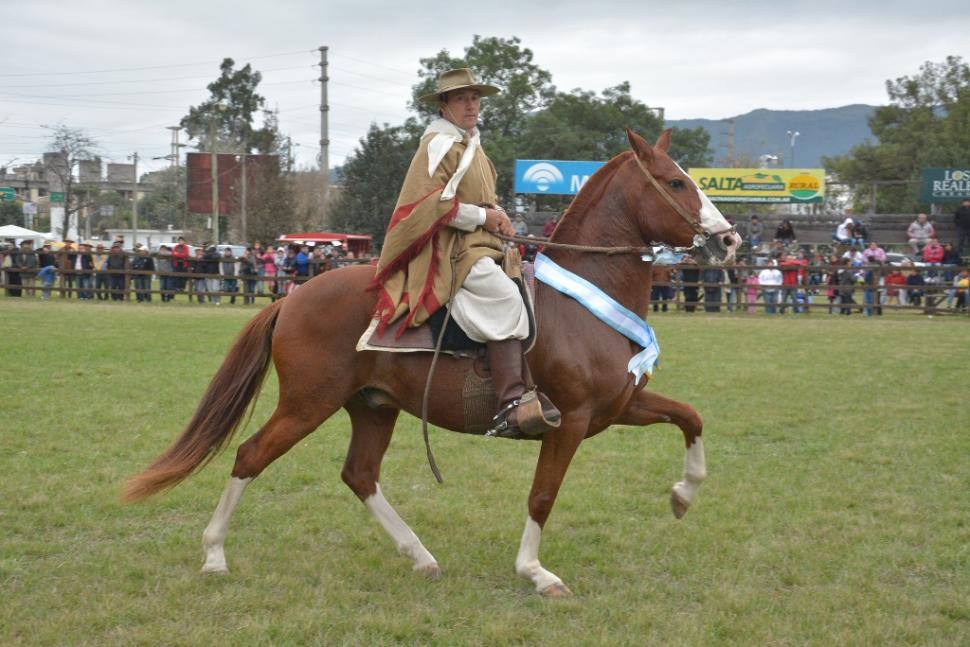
point(648, 408)
point(558, 448)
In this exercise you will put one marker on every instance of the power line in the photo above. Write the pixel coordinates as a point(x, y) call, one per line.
point(155, 80)
point(138, 92)
point(154, 67)
point(376, 78)
point(360, 87)
point(122, 106)
point(359, 60)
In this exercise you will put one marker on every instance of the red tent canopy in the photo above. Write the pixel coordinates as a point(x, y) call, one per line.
point(358, 245)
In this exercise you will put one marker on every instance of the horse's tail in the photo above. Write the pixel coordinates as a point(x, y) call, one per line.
point(219, 413)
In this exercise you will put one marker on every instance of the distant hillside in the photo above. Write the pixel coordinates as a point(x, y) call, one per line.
point(828, 132)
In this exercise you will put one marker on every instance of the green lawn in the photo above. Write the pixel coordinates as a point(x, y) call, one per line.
point(836, 511)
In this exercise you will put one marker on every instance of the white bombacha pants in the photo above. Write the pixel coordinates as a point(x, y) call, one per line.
point(488, 306)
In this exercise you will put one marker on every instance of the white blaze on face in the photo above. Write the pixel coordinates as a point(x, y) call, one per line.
point(711, 218)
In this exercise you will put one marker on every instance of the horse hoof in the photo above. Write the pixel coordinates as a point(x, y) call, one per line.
point(678, 506)
point(556, 591)
point(215, 570)
point(431, 571)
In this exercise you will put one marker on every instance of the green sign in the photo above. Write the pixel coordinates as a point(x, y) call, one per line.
point(57, 196)
point(6, 193)
point(945, 185)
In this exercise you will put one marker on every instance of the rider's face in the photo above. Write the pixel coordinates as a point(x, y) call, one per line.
point(461, 107)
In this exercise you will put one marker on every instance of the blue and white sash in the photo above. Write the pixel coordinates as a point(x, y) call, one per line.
point(607, 310)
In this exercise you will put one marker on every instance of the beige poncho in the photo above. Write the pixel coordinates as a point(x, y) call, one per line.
point(423, 259)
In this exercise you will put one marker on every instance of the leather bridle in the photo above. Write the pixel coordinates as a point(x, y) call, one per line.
point(701, 236)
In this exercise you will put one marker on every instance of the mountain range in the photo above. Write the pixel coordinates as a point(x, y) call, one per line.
point(828, 132)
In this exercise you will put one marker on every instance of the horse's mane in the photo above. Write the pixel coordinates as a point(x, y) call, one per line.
point(592, 191)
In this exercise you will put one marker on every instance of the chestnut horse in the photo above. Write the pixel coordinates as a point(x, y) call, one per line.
point(639, 197)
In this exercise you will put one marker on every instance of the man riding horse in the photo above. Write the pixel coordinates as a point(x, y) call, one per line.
point(440, 248)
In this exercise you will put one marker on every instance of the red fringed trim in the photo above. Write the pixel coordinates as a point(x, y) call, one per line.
point(426, 298)
point(383, 311)
point(405, 210)
point(414, 248)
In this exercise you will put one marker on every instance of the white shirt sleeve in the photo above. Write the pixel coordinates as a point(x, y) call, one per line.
point(469, 217)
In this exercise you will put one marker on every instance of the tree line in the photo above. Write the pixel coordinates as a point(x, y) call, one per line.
point(927, 123)
point(530, 119)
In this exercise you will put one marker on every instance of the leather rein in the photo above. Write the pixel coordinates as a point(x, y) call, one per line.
point(700, 240)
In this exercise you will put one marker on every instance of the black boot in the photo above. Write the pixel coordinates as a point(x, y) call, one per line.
point(521, 413)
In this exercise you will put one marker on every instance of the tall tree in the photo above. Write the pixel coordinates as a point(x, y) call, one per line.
point(71, 146)
point(926, 124)
point(372, 179)
point(271, 205)
point(581, 125)
point(229, 112)
point(270, 209)
point(528, 119)
point(226, 122)
point(526, 88)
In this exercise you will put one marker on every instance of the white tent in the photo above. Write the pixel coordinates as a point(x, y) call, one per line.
point(19, 234)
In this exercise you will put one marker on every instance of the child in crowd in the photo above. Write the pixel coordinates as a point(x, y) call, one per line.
point(46, 276)
point(751, 285)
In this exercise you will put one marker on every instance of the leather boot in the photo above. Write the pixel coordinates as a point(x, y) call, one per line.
point(505, 362)
point(508, 368)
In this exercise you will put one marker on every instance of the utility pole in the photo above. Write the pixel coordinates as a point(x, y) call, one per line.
point(324, 135)
point(134, 202)
point(174, 155)
point(214, 161)
point(242, 206)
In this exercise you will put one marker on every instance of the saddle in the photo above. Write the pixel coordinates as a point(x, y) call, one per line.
point(455, 342)
point(479, 400)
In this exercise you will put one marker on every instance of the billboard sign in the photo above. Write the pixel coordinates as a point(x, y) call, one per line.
point(228, 172)
point(552, 177)
point(945, 185)
point(799, 186)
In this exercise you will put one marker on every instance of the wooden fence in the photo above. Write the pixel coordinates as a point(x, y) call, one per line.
point(937, 295)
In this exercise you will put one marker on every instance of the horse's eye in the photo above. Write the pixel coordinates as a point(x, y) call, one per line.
point(677, 185)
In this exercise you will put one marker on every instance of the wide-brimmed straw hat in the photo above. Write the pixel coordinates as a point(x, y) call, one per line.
point(460, 79)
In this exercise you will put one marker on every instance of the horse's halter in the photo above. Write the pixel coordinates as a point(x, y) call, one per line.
point(700, 235)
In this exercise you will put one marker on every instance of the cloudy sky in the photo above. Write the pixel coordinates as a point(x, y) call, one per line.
point(123, 71)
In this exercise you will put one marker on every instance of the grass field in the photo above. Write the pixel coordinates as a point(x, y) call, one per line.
point(836, 512)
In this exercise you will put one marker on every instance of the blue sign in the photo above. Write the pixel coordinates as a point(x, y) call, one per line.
point(552, 177)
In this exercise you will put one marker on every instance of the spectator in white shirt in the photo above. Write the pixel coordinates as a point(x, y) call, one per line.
point(770, 280)
point(919, 233)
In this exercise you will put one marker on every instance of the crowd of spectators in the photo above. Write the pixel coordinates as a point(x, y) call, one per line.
point(204, 273)
point(851, 281)
point(782, 275)
point(775, 276)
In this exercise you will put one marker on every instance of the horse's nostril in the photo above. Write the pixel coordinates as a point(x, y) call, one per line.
point(728, 241)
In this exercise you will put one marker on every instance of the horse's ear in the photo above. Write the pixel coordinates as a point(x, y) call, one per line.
point(640, 146)
point(663, 142)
